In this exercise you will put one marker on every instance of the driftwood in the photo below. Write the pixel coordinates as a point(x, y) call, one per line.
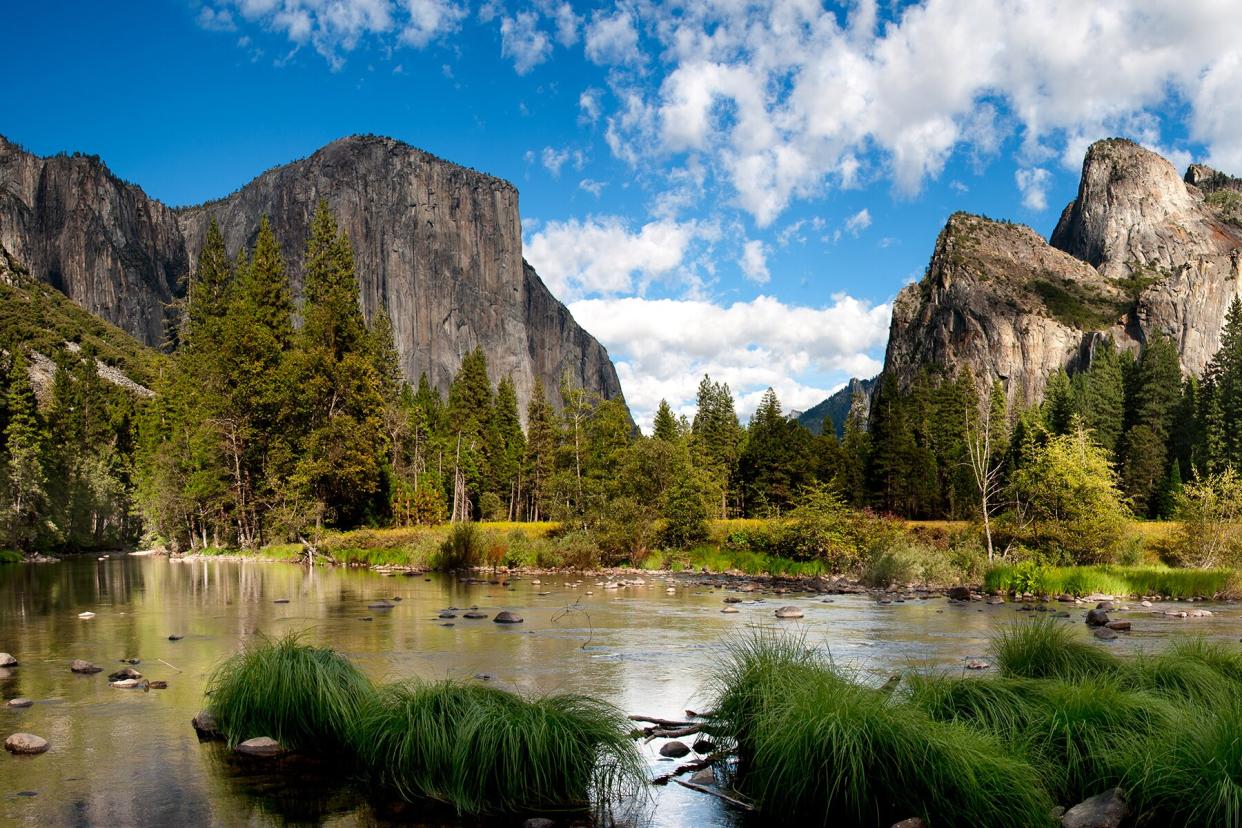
point(737, 803)
point(653, 733)
point(660, 722)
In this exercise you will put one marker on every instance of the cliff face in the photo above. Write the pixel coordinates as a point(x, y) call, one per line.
point(1139, 252)
point(436, 244)
point(100, 241)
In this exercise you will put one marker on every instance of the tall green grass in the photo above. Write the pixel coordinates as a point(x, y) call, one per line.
point(486, 750)
point(817, 748)
point(301, 696)
point(480, 749)
point(1043, 648)
point(1112, 580)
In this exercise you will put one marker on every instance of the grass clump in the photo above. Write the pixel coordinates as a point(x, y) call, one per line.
point(1111, 580)
point(817, 748)
point(301, 696)
point(486, 750)
point(10, 556)
point(1044, 649)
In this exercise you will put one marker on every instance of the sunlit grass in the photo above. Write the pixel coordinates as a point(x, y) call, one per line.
point(1113, 580)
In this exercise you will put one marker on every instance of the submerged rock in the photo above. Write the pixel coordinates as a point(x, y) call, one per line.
point(1105, 634)
point(380, 605)
point(506, 617)
point(1097, 617)
point(912, 822)
point(1105, 810)
point(206, 726)
point(1119, 626)
point(175, 637)
point(124, 673)
point(26, 744)
point(674, 749)
point(19, 703)
point(474, 615)
point(538, 822)
point(262, 747)
point(7, 660)
point(789, 612)
point(729, 610)
point(80, 666)
point(704, 777)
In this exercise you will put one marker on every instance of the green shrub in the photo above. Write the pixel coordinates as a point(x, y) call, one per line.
point(462, 549)
point(10, 556)
point(1210, 512)
point(575, 550)
point(491, 507)
point(685, 516)
point(299, 695)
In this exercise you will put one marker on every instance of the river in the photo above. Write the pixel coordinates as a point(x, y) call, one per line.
point(127, 757)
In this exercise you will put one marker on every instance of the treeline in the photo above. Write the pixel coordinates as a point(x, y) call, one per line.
point(67, 465)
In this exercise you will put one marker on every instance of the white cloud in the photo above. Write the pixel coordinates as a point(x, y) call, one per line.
point(754, 261)
point(524, 42)
point(216, 20)
point(567, 24)
point(602, 256)
point(588, 103)
point(1034, 183)
point(612, 39)
point(858, 222)
point(592, 186)
point(336, 27)
point(662, 347)
point(787, 100)
point(554, 159)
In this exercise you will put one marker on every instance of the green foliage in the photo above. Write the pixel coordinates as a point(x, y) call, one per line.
point(462, 549)
point(1044, 648)
point(1036, 579)
point(1078, 305)
point(685, 516)
point(302, 696)
point(1209, 510)
point(486, 750)
point(816, 746)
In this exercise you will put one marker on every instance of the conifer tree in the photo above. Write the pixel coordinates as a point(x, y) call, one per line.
point(665, 427)
point(508, 448)
point(541, 441)
point(24, 474)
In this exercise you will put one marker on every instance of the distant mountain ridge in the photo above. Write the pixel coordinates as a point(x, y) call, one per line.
point(438, 245)
point(834, 411)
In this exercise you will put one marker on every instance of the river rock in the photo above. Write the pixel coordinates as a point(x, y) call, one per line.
point(729, 610)
point(281, 601)
point(1199, 613)
point(977, 664)
point(703, 746)
point(1119, 626)
point(959, 593)
point(674, 749)
point(1096, 618)
point(19, 703)
point(506, 617)
point(262, 747)
point(205, 725)
point(175, 637)
point(447, 614)
point(1105, 634)
point(80, 666)
point(7, 660)
point(157, 685)
point(1107, 606)
point(1105, 810)
point(125, 684)
point(124, 673)
point(86, 615)
point(789, 612)
point(707, 776)
point(474, 615)
point(26, 744)
point(380, 605)
point(732, 599)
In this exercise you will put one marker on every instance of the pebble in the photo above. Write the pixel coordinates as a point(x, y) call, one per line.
point(175, 637)
point(19, 702)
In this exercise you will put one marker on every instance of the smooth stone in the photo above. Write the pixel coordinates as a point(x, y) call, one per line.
point(1119, 626)
point(381, 605)
point(263, 747)
point(977, 664)
point(448, 615)
point(1105, 810)
point(912, 822)
point(126, 673)
point(17, 703)
point(732, 599)
point(1199, 613)
point(474, 615)
point(703, 746)
point(157, 685)
point(1107, 606)
point(789, 612)
point(205, 724)
point(704, 777)
point(506, 617)
point(175, 637)
point(86, 615)
point(125, 684)
point(7, 660)
point(1105, 634)
point(674, 749)
point(959, 593)
point(26, 744)
point(131, 661)
point(1097, 617)
point(729, 610)
point(80, 666)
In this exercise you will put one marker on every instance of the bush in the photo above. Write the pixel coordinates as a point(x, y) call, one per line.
point(685, 516)
point(624, 532)
point(908, 562)
point(575, 550)
point(1210, 533)
point(491, 507)
point(821, 528)
point(462, 549)
point(301, 696)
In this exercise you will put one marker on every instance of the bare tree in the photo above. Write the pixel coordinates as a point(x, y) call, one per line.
point(985, 468)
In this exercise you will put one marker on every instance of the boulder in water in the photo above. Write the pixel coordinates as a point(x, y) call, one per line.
point(84, 667)
point(1097, 617)
point(262, 747)
point(26, 744)
point(674, 749)
point(18, 703)
point(789, 612)
point(125, 673)
point(506, 617)
point(206, 726)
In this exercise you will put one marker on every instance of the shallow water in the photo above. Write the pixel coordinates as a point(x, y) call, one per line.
point(125, 757)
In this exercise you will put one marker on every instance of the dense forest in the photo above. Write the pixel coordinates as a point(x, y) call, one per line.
point(276, 418)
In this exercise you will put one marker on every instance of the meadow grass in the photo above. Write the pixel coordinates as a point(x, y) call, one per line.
point(301, 696)
point(486, 750)
point(480, 749)
point(1112, 580)
point(817, 748)
point(1045, 649)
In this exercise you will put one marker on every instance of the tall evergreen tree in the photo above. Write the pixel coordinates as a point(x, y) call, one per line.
point(541, 440)
point(665, 425)
point(24, 474)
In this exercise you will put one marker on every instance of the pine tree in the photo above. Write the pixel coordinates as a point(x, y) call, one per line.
point(1103, 400)
point(665, 425)
point(1059, 405)
point(541, 442)
point(332, 317)
point(855, 445)
point(717, 437)
point(508, 449)
point(24, 446)
point(470, 418)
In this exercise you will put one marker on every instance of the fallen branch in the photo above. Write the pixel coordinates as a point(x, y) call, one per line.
point(660, 722)
point(737, 803)
point(674, 733)
point(166, 664)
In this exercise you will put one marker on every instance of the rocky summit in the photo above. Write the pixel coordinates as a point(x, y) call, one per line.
point(437, 245)
point(1141, 251)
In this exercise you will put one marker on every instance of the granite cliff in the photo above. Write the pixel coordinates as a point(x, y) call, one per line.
point(436, 244)
point(1141, 251)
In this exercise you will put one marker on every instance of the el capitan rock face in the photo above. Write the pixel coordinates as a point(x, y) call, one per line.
point(1139, 252)
point(437, 244)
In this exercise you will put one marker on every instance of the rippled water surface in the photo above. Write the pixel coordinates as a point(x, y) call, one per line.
point(124, 757)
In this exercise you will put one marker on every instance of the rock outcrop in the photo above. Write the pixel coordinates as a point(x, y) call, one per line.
point(438, 245)
point(1139, 252)
point(831, 415)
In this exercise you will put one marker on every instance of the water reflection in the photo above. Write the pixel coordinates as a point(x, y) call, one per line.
point(130, 758)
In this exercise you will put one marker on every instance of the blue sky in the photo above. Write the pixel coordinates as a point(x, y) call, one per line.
point(732, 187)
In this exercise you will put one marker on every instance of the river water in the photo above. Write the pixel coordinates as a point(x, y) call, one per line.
point(125, 757)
